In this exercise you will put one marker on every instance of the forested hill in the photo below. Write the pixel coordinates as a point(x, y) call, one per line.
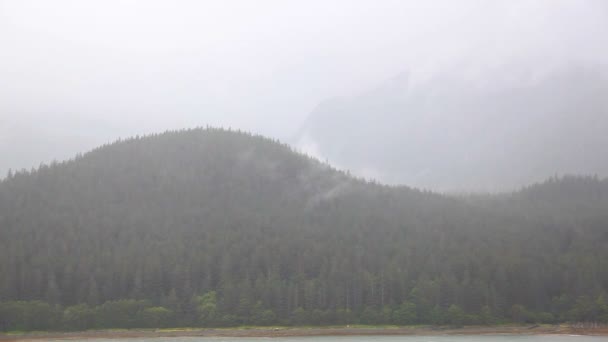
point(214, 228)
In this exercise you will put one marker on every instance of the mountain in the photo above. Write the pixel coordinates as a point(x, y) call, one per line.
point(455, 132)
point(216, 228)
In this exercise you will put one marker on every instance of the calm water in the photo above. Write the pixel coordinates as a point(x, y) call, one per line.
point(546, 338)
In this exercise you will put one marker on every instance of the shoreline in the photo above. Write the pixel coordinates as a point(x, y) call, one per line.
point(307, 332)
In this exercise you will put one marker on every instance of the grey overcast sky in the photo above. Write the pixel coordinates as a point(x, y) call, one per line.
point(76, 74)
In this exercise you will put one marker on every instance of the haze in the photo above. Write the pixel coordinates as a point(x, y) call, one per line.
point(77, 74)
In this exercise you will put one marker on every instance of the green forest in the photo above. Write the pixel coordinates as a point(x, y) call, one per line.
point(211, 227)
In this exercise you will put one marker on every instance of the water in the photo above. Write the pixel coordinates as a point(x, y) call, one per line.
point(485, 338)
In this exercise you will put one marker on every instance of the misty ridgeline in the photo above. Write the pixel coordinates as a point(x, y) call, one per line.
point(138, 233)
point(461, 140)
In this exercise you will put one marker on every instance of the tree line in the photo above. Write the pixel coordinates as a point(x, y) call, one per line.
point(206, 311)
point(148, 224)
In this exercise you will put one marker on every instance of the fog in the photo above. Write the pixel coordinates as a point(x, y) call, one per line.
point(77, 74)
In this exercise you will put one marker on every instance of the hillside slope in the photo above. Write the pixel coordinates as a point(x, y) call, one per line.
point(273, 236)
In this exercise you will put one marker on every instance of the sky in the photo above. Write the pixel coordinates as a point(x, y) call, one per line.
point(77, 74)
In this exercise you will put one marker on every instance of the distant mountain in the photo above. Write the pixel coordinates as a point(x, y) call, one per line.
point(213, 227)
point(497, 131)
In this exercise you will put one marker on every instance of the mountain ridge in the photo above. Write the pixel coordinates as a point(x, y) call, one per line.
point(448, 133)
point(193, 219)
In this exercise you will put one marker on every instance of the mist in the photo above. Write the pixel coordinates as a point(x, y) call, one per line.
point(341, 169)
point(77, 74)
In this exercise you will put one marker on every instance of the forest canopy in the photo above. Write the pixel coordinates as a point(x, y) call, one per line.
point(211, 227)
